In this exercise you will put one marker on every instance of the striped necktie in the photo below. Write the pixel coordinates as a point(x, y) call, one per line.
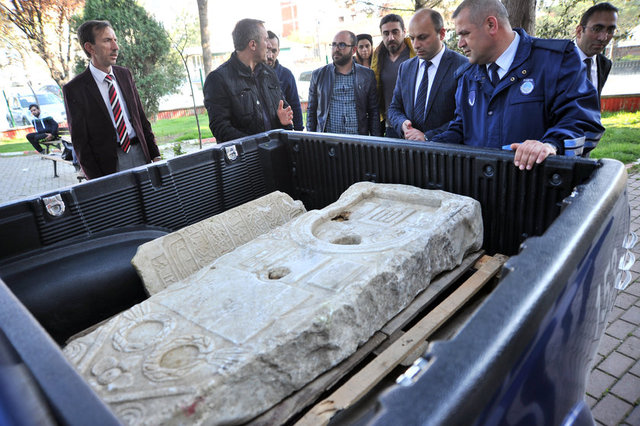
point(118, 116)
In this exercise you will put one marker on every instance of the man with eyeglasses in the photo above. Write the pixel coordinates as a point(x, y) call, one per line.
point(519, 92)
point(593, 34)
point(342, 95)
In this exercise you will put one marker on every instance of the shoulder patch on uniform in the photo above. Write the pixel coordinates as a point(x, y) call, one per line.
point(558, 45)
point(461, 70)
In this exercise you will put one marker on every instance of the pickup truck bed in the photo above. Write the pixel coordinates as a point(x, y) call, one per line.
point(523, 356)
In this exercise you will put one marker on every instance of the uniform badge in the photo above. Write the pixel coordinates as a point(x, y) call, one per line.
point(527, 86)
point(472, 97)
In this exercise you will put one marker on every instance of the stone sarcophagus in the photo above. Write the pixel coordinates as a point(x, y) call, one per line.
point(258, 323)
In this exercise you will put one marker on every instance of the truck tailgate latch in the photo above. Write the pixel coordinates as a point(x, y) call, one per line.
point(54, 205)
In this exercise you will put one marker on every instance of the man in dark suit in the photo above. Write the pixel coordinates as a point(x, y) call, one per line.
point(596, 29)
point(424, 97)
point(46, 129)
point(109, 130)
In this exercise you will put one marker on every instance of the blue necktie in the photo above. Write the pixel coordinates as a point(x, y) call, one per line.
point(493, 74)
point(420, 106)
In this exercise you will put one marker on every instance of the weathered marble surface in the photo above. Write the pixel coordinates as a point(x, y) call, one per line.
point(174, 257)
point(262, 321)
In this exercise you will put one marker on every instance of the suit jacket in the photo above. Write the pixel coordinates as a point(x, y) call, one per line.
point(92, 132)
point(441, 104)
point(604, 66)
point(321, 89)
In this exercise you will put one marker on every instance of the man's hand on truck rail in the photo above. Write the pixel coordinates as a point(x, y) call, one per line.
point(531, 152)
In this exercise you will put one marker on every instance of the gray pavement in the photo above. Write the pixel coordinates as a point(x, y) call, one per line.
point(613, 391)
point(25, 175)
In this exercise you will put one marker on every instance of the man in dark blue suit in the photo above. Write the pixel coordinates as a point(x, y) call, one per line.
point(424, 102)
point(46, 129)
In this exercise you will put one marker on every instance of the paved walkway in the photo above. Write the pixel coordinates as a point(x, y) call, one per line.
point(25, 175)
point(613, 392)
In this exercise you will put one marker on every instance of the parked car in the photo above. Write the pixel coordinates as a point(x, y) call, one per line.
point(304, 80)
point(50, 106)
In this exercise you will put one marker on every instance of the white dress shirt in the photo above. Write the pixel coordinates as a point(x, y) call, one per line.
point(431, 73)
point(103, 87)
point(593, 72)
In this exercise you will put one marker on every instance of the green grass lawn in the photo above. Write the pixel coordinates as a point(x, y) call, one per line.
point(621, 140)
point(180, 129)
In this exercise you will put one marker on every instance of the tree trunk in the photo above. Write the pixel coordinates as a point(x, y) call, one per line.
point(207, 59)
point(522, 14)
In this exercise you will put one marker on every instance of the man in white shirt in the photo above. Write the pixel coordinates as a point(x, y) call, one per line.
point(109, 129)
point(596, 29)
point(423, 103)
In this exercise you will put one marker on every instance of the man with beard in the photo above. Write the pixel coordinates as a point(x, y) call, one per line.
point(394, 49)
point(364, 49)
point(593, 34)
point(287, 81)
point(521, 93)
point(342, 95)
point(243, 95)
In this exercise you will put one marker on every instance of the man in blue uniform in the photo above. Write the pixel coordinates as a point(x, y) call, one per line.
point(528, 94)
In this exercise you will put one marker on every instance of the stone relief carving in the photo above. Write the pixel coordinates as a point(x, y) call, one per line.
point(174, 257)
point(259, 322)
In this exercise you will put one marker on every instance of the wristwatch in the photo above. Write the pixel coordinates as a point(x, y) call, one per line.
point(426, 138)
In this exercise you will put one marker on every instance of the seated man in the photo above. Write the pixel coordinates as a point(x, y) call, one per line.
point(46, 129)
point(520, 92)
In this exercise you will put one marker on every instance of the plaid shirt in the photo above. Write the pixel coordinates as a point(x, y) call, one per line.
point(342, 107)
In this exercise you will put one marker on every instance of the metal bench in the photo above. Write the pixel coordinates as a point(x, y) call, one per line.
point(63, 140)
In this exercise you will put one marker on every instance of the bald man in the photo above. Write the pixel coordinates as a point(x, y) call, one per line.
point(424, 97)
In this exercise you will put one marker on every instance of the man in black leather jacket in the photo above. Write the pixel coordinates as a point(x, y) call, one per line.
point(243, 95)
point(342, 95)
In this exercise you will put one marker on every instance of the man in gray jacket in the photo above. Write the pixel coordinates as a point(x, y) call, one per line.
point(342, 95)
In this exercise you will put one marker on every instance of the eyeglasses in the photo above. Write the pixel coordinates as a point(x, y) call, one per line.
point(341, 45)
point(599, 29)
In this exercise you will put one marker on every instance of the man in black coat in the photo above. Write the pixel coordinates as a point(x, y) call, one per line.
point(243, 95)
point(46, 129)
point(593, 34)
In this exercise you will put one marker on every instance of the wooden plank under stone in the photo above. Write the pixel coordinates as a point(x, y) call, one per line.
point(365, 379)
